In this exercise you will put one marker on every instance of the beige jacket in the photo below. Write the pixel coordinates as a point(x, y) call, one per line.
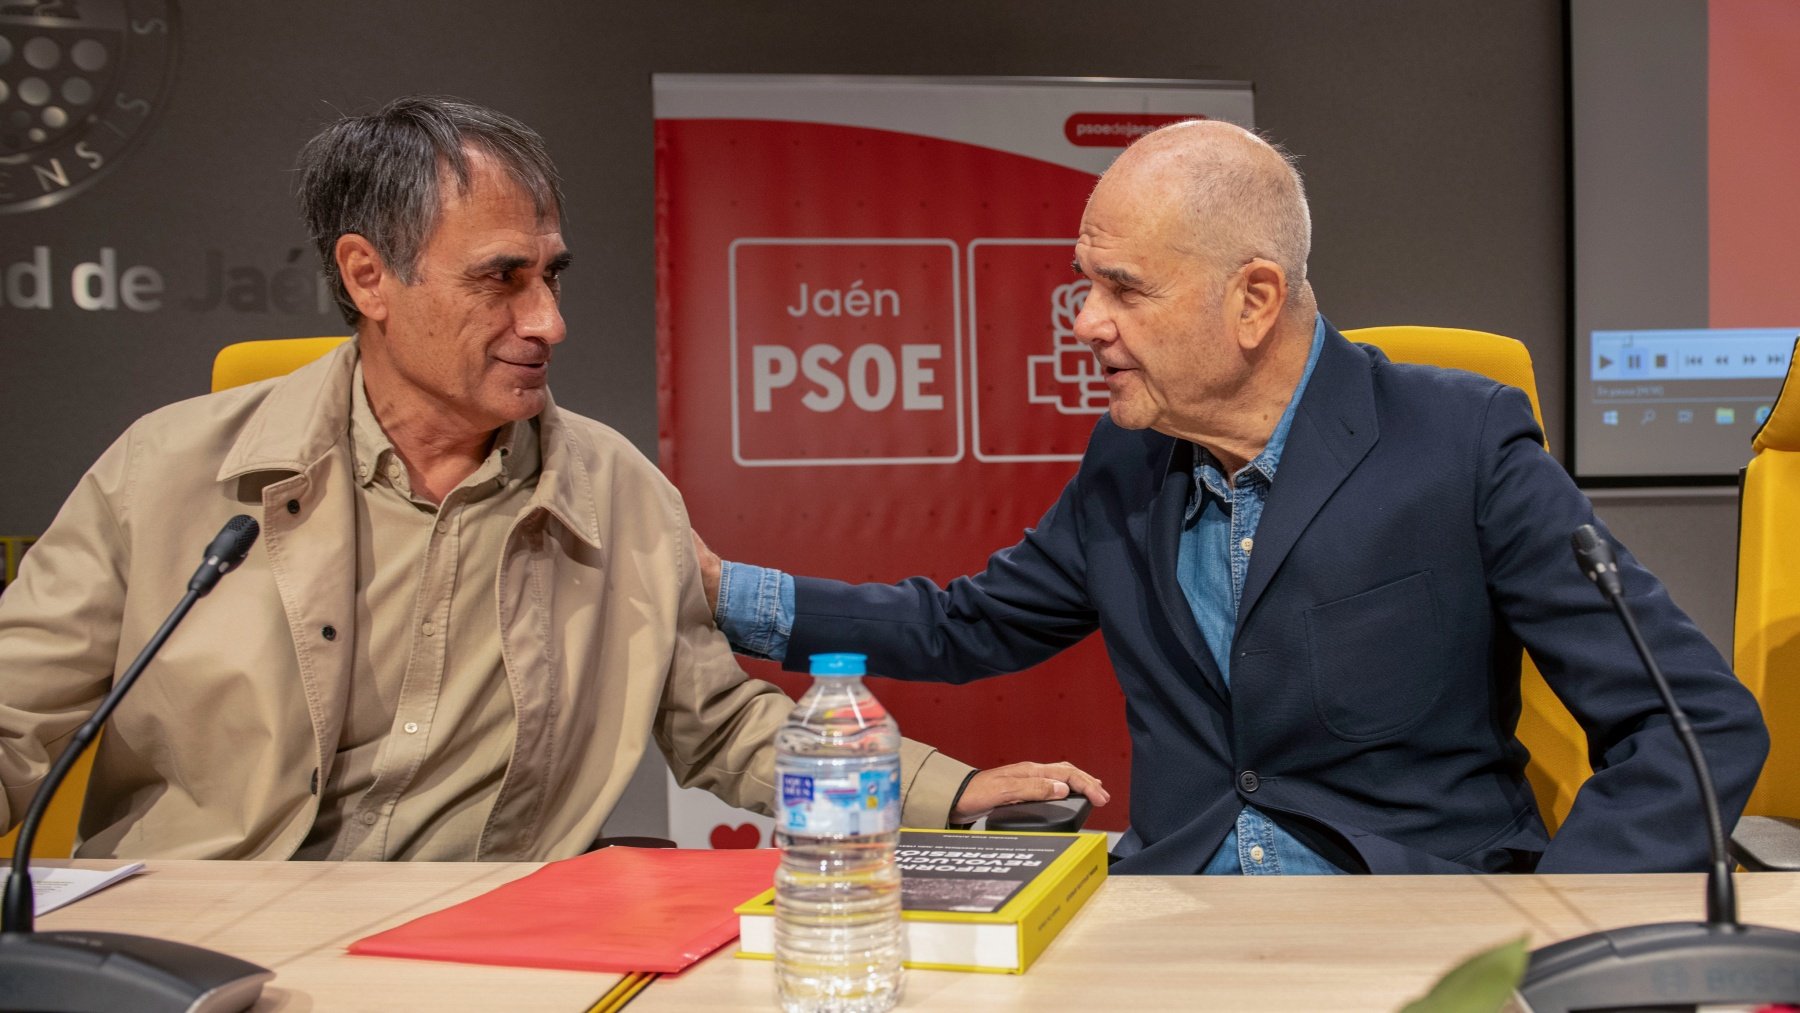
point(219, 749)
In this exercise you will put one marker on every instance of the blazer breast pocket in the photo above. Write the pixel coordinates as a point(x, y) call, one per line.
point(1376, 658)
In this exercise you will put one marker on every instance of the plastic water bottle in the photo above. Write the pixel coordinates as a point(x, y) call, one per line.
point(838, 938)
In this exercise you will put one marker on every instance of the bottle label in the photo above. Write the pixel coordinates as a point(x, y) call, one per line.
point(851, 804)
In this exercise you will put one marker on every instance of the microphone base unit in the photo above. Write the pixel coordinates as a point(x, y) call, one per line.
point(1674, 964)
point(94, 972)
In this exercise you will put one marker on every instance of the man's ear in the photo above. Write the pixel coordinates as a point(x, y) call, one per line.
point(1261, 293)
point(363, 271)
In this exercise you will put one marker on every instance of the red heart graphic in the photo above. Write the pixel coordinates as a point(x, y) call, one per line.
point(744, 835)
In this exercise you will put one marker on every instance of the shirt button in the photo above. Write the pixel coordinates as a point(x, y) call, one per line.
point(393, 469)
point(412, 728)
point(368, 819)
point(1256, 853)
point(443, 526)
point(1248, 781)
point(429, 628)
point(362, 470)
point(1246, 544)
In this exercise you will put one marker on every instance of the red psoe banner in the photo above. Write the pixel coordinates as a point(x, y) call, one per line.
point(867, 360)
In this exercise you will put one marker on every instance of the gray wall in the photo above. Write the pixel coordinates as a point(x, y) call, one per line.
point(1430, 133)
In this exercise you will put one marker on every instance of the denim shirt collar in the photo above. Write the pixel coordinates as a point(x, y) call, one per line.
point(1210, 476)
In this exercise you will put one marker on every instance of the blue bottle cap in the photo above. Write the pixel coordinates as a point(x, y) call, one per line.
point(839, 664)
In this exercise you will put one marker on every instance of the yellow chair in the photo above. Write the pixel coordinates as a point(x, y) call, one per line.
point(250, 361)
point(1559, 755)
point(235, 365)
point(1766, 638)
point(56, 834)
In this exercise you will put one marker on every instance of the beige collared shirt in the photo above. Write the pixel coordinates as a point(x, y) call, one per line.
point(430, 722)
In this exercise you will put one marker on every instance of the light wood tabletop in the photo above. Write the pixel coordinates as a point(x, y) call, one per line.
point(1275, 943)
point(296, 918)
point(1143, 943)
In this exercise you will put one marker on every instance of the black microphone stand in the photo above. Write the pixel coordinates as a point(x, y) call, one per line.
point(96, 972)
point(1677, 964)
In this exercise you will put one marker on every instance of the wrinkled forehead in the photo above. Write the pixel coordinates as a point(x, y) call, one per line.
point(490, 197)
point(1141, 203)
point(481, 176)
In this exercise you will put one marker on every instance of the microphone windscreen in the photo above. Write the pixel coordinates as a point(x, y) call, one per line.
point(242, 531)
point(1586, 539)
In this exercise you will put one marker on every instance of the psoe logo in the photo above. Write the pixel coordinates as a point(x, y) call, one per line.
point(1069, 377)
point(80, 81)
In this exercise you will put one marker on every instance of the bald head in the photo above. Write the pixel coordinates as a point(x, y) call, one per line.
point(1243, 196)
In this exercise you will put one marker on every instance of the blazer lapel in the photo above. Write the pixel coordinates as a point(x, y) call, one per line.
point(1167, 513)
point(1332, 432)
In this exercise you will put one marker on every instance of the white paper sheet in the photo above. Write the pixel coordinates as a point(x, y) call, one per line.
point(52, 888)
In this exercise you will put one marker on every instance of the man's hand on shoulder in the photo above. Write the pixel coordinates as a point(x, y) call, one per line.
point(709, 570)
point(1024, 782)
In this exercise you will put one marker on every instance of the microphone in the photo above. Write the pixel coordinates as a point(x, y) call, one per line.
point(1597, 561)
point(1678, 964)
point(228, 549)
point(71, 971)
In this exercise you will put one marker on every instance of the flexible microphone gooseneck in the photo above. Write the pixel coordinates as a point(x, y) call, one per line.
point(58, 971)
point(1600, 565)
point(1716, 962)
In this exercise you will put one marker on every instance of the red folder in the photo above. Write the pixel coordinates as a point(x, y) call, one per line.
point(617, 910)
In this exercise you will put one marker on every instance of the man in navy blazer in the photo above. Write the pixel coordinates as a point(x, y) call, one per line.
point(1321, 669)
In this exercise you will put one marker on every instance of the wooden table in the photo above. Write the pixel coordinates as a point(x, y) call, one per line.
point(295, 918)
point(1271, 943)
point(1143, 943)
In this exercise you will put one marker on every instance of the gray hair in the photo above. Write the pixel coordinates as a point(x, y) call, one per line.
point(378, 176)
point(1245, 208)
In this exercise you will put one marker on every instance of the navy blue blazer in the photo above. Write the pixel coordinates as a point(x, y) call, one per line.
point(1415, 537)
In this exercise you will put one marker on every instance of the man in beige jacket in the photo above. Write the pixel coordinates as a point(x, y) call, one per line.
point(468, 612)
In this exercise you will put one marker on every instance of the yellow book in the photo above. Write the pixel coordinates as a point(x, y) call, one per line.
point(972, 900)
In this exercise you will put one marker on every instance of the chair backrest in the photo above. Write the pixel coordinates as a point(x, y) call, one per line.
point(235, 365)
point(56, 834)
point(1766, 634)
point(1559, 753)
point(250, 361)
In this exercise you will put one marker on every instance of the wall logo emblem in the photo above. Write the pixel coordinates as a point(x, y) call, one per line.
point(80, 81)
point(1034, 388)
point(1069, 377)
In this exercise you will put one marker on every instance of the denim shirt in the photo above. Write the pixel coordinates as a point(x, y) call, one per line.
point(755, 610)
point(1216, 541)
point(756, 613)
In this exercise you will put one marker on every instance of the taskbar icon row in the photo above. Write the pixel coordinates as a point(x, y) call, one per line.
point(1720, 415)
